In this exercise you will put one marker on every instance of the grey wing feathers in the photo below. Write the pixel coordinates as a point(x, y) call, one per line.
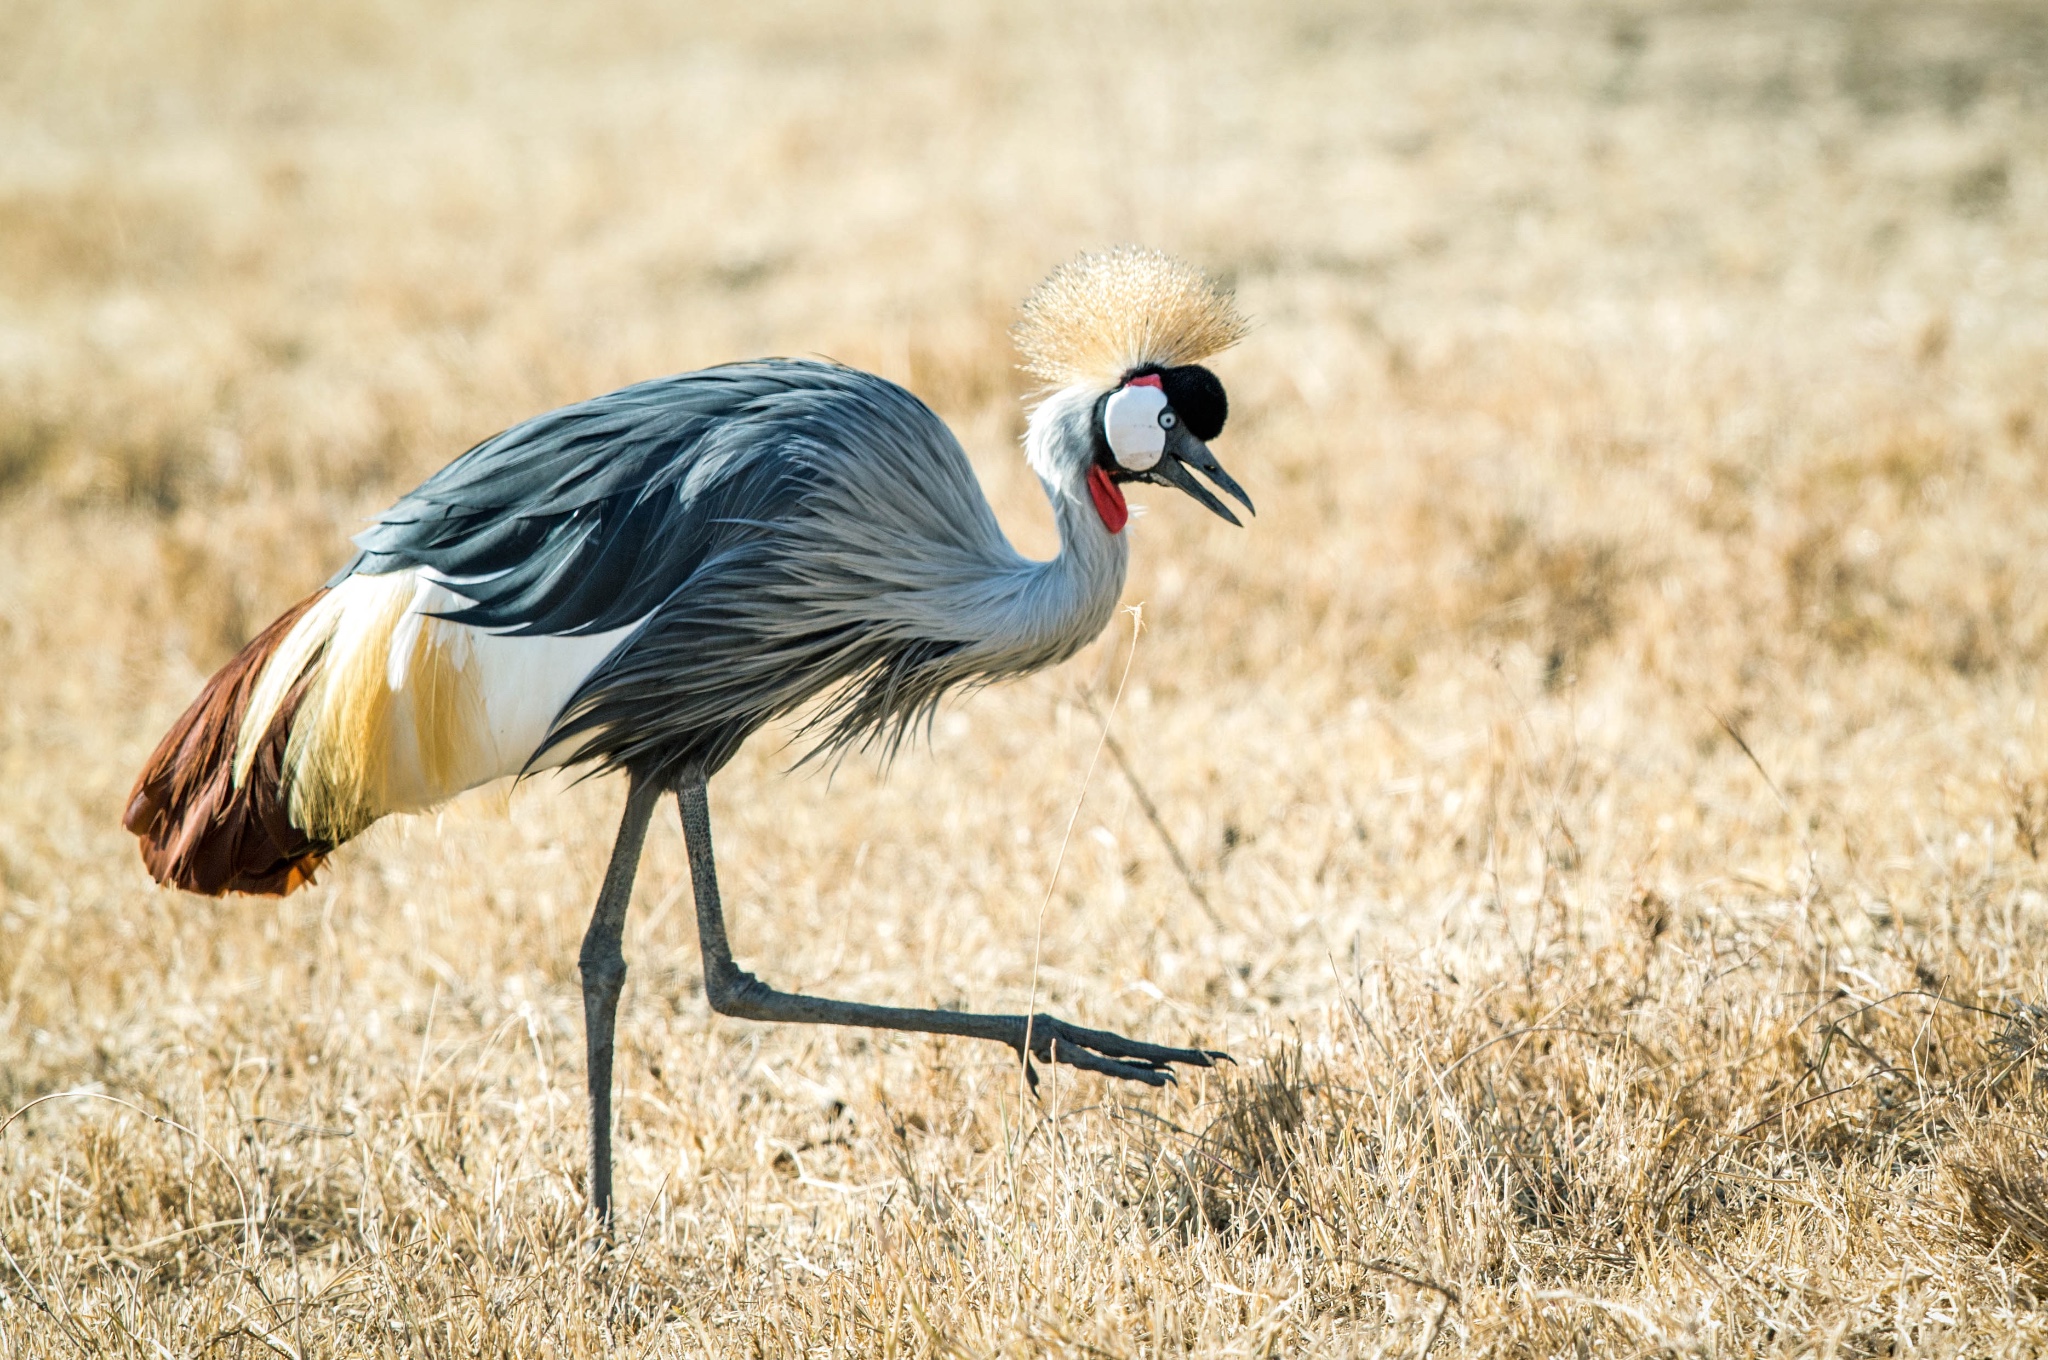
point(757, 518)
point(586, 518)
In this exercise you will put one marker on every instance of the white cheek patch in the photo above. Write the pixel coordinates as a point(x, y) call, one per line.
point(1130, 421)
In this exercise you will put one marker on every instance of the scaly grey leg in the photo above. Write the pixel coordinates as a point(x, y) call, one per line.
point(733, 991)
point(603, 967)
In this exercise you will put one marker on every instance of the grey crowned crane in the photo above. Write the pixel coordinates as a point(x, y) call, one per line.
point(639, 581)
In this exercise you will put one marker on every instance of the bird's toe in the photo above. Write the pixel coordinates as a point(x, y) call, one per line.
point(1075, 1056)
point(1095, 1050)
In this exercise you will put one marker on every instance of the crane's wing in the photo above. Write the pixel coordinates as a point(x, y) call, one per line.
point(585, 519)
point(747, 521)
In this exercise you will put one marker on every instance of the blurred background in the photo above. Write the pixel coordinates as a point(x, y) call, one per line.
point(1648, 416)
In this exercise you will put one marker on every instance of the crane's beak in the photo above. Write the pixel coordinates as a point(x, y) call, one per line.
point(1184, 451)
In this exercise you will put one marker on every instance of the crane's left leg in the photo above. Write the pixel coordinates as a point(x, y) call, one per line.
point(603, 966)
point(732, 990)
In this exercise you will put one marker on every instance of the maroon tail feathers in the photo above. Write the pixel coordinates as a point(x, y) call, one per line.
point(201, 833)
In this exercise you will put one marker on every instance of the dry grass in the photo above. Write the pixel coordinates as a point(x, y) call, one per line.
point(1614, 758)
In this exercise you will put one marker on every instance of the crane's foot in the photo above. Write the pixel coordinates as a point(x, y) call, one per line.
point(1098, 1050)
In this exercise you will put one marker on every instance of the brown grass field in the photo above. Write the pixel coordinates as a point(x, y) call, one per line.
point(1613, 767)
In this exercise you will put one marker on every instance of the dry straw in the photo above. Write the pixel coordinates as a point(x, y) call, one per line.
point(1559, 1036)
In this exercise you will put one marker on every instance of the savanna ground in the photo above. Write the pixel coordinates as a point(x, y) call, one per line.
point(1612, 767)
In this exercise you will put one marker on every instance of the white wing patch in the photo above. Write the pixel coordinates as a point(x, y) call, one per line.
point(404, 708)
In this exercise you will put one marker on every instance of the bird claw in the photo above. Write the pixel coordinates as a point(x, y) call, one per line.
point(1095, 1050)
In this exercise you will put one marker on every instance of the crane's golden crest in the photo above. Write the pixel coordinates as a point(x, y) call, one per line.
point(1100, 316)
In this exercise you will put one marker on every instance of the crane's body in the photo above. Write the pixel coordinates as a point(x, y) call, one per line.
point(640, 581)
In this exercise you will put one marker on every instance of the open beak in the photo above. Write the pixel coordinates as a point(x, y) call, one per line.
point(1184, 451)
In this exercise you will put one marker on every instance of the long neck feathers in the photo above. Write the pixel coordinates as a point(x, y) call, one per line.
point(1046, 611)
point(967, 608)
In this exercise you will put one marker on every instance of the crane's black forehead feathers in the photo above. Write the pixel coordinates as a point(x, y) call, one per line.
point(1193, 392)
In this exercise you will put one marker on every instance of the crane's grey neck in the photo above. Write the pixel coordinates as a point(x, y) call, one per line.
point(967, 607)
point(1059, 606)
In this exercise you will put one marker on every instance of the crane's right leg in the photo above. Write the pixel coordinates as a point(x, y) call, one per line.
point(732, 990)
point(603, 967)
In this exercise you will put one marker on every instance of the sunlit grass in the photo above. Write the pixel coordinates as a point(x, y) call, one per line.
point(1612, 759)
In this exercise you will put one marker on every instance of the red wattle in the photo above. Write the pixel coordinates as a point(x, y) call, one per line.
point(1109, 500)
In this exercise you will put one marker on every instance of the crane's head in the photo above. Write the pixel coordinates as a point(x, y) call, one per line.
point(1153, 428)
point(1118, 335)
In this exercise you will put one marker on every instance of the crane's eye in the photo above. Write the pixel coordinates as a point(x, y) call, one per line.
point(1167, 420)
